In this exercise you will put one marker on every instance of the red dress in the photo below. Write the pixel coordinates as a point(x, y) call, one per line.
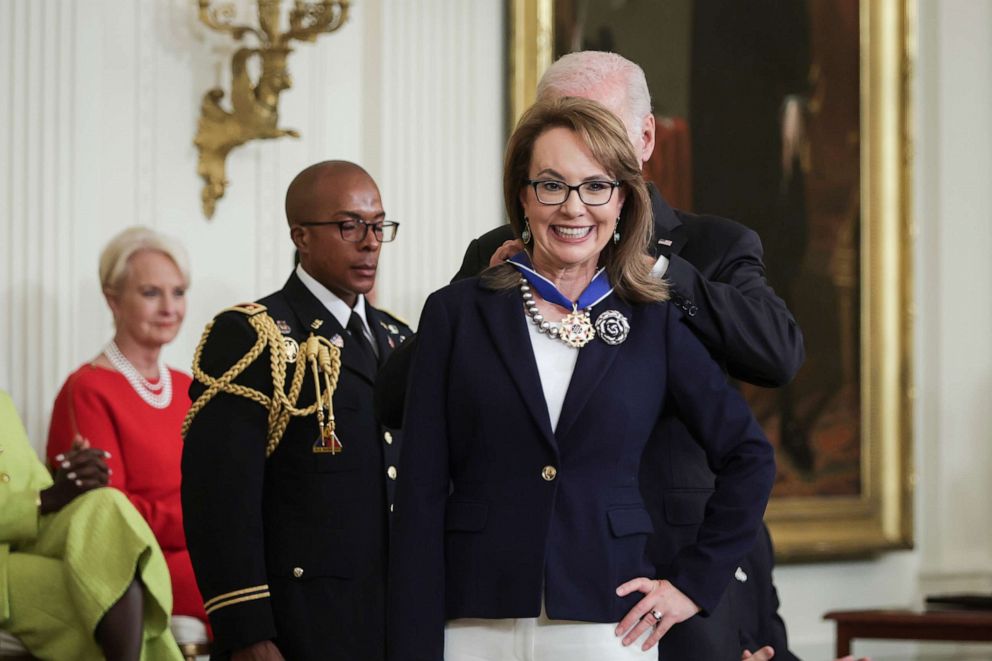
point(145, 451)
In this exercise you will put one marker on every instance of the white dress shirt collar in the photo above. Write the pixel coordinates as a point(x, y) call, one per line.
point(338, 308)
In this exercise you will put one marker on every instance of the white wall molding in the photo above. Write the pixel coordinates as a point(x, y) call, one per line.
point(96, 128)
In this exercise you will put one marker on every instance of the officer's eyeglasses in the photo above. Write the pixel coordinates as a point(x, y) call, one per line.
point(355, 231)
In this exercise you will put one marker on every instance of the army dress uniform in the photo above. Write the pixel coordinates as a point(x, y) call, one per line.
point(288, 532)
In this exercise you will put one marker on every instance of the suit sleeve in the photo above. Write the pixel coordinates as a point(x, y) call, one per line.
point(738, 454)
point(26, 478)
point(480, 251)
point(223, 474)
point(391, 383)
point(94, 421)
point(738, 316)
point(415, 624)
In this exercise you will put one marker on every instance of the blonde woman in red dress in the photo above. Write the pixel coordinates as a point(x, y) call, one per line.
point(127, 402)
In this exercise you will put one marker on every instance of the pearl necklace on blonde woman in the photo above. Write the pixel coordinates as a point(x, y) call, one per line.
point(158, 395)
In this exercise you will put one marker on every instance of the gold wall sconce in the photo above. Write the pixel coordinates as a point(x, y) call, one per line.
point(255, 105)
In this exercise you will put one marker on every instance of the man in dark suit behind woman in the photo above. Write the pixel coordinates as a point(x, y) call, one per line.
point(715, 270)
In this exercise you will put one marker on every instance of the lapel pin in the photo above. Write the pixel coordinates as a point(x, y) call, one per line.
point(337, 341)
point(316, 323)
point(612, 327)
point(664, 242)
point(283, 326)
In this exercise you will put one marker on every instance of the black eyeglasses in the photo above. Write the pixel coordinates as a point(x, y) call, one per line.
point(591, 193)
point(355, 231)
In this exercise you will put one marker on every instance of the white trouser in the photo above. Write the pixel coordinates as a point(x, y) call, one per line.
point(537, 639)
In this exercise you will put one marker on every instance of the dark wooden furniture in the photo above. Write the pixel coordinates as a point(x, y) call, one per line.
point(944, 625)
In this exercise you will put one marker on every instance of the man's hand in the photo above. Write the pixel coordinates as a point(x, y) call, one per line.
point(265, 650)
point(764, 654)
point(767, 652)
point(77, 471)
point(661, 597)
point(506, 251)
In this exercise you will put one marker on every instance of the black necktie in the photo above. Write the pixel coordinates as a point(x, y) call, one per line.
point(357, 330)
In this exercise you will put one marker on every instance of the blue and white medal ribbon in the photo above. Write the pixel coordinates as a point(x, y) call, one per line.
point(576, 330)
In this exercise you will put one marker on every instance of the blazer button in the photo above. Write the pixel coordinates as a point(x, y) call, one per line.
point(549, 473)
point(297, 572)
point(388, 438)
point(391, 472)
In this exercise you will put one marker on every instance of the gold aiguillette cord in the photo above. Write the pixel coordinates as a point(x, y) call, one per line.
point(319, 356)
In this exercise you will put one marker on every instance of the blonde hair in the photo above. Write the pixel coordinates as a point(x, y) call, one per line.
point(627, 262)
point(115, 255)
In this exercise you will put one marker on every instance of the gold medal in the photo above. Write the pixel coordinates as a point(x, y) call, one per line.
point(292, 349)
point(576, 330)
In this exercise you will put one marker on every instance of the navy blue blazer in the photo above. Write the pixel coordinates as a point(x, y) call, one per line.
point(496, 511)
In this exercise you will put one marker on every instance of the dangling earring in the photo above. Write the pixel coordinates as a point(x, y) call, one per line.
point(616, 232)
point(525, 235)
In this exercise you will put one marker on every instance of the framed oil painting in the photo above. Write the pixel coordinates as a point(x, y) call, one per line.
point(791, 117)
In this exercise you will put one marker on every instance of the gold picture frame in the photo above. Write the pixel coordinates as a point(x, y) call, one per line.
point(880, 516)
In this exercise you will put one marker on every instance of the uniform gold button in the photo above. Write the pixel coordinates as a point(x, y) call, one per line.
point(388, 438)
point(549, 473)
point(391, 472)
point(297, 572)
point(4, 477)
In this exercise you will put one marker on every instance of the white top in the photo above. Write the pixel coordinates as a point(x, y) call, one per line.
point(338, 308)
point(555, 365)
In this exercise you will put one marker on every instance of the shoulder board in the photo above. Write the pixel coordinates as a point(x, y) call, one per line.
point(395, 317)
point(248, 309)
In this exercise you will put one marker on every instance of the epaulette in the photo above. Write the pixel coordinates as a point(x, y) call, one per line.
point(248, 309)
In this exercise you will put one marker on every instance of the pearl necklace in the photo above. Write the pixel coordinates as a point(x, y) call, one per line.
point(157, 395)
point(579, 330)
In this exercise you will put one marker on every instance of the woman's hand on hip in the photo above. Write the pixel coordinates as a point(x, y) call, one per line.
point(663, 606)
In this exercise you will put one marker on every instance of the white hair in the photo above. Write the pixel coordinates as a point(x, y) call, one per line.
point(115, 256)
point(593, 73)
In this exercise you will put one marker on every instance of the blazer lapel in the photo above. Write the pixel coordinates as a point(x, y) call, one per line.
point(592, 365)
point(379, 325)
point(668, 228)
point(308, 309)
point(507, 326)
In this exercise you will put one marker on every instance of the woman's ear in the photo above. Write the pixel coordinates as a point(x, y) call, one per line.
point(113, 302)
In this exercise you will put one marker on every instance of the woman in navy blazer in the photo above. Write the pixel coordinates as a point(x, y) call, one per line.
point(534, 391)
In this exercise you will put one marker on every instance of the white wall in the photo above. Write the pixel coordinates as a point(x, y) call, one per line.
point(97, 122)
point(96, 129)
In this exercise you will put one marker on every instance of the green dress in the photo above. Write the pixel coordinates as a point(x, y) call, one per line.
point(61, 572)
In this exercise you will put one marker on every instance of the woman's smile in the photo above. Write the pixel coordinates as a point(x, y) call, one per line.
point(571, 233)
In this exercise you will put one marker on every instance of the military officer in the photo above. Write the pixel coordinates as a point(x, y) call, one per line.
point(285, 468)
